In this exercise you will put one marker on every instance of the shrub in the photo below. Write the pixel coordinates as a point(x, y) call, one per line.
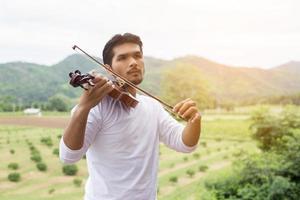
point(12, 151)
point(14, 177)
point(204, 144)
point(203, 168)
point(70, 170)
point(41, 166)
point(13, 166)
point(173, 179)
point(190, 172)
point(36, 158)
point(185, 158)
point(56, 151)
point(50, 191)
point(268, 129)
point(272, 174)
point(77, 182)
point(47, 141)
point(32, 148)
point(35, 152)
point(196, 155)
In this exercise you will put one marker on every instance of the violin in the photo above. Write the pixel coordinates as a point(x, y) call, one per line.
point(118, 93)
point(78, 79)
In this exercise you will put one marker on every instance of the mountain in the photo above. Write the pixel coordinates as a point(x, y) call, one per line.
point(29, 82)
point(239, 83)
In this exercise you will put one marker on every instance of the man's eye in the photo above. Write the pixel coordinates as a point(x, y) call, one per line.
point(138, 56)
point(121, 58)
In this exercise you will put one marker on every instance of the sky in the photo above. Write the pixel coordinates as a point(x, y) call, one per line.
point(249, 33)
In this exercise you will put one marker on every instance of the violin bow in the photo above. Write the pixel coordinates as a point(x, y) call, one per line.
point(168, 107)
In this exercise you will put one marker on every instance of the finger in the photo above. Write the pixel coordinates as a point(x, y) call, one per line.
point(186, 106)
point(98, 78)
point(197, 116)
point(178, 105)
point(189, 113)
point(105, 88)
point(101, 82)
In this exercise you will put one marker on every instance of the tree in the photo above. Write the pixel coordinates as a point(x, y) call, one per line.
point(186, 81)
point(269, 129)
point(273, 174)
point(58, 103)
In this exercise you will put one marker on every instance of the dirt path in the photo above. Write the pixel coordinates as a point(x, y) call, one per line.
point(50, 122)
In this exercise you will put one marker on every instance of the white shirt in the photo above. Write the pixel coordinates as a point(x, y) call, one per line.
point(122, 148)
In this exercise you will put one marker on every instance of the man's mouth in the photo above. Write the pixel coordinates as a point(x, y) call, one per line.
point(134, 71)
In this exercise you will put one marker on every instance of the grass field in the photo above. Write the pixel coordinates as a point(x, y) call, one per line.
point(223, 137)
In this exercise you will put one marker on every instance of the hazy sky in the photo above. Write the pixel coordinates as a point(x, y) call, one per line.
point(260, 33)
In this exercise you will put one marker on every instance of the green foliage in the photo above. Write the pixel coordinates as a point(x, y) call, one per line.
point(41, 166)
point(258, 178)
point(172, 165)
point(273, 174)
point(185, 81)
point(47, 141)
point(36, 158)
point(204, 144)
point(268, 129)
point(190, 172)
point(14, 177)
point(58, 103)
point(56, 151)
point(77, 182)
point(6, 104)
point(52, 190)
point(12, 151)
point(196, 155)
point(70, 170)
point(13, 166)
point(203, 168)
point(173, 179)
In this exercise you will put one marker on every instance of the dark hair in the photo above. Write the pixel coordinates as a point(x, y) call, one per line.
point(117, 40)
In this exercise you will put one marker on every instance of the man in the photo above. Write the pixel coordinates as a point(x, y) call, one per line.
point(122, 144)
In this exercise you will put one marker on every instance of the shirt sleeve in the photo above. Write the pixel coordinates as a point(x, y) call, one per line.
point(170, 132)
point(93, 125)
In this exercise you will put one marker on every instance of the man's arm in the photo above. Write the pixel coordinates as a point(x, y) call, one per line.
point(188, 111)
point(74, 133)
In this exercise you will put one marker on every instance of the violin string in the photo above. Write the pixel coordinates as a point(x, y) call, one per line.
point(168, 107)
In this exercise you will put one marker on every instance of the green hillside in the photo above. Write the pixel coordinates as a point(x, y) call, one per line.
point(26, 83)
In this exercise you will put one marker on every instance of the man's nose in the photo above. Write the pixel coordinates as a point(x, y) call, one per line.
point(133, 62)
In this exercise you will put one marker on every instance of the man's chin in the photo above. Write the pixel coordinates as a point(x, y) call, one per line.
point(137, 81)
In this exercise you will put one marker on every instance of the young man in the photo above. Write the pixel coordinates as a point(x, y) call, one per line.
point(122, 144)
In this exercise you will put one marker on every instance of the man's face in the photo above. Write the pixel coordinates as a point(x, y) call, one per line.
point(128, 61)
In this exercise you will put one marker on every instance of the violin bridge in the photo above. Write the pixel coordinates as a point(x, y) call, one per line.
point(121, 83)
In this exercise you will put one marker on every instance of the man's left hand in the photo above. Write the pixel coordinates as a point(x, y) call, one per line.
point(187, 109)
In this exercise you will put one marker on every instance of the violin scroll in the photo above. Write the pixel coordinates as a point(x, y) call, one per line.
point(78, 79)
point(118, 93)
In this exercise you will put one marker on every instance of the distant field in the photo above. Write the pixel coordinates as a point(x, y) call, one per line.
point(222, 138)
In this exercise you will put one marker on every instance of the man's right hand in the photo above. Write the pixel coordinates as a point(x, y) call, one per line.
point(95, 94)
